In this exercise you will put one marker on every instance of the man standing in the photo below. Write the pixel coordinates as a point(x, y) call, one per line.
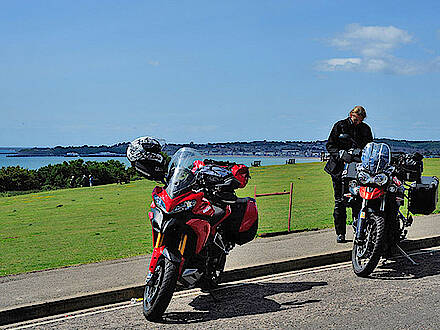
point(361, 134)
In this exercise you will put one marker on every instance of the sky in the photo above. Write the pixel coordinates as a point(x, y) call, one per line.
point(95, 72)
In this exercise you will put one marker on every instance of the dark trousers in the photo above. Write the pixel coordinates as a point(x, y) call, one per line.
point(340, 212)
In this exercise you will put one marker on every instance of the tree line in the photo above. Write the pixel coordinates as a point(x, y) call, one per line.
point(428, 148)
point(75, 173)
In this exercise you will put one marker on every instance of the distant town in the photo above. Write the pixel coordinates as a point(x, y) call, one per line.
point(288, 149)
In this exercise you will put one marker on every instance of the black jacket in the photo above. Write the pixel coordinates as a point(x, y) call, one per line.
point(361, 134)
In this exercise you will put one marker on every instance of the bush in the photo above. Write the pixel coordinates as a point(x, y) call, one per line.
point(15, 178)
point(68, 174)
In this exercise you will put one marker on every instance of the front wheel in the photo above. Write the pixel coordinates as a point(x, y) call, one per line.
point(365, 257)
point(158, 293)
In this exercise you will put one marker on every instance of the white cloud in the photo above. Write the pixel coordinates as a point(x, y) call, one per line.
point(387, 65)
point(154, 63)
point(344, 61)
point(340, 64)
point(371, 41)
point(374, 47)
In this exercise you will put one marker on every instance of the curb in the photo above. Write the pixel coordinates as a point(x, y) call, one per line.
point(70, 304)
point(286, 232)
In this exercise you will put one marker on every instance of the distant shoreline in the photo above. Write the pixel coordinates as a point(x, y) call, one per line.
point(79, 156)
point(121, 155)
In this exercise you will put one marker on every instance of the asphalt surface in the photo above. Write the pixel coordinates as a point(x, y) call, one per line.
point(43, 286)
point(397, 295)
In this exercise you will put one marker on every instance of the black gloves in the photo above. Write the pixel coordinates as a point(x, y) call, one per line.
point(345, 156)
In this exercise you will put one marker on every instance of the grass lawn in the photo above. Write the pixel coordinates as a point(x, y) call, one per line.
point(82, 225)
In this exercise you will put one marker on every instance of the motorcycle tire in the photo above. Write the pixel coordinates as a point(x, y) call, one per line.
point(365, 258)
point(158, 295)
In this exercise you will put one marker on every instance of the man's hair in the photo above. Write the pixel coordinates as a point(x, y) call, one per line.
point(360, 111)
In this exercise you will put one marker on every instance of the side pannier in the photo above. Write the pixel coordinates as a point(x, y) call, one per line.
point(243, 225)
point(423, 196)
point(410, 167)
point(145, 155)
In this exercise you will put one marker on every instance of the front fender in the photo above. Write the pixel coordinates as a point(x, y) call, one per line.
point(174, 257)
point(157, 252)
point(369, 193)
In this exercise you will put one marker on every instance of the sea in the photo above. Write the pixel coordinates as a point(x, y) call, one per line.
point(34, 163)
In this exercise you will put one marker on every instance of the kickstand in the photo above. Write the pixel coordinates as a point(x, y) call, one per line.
point(406, 255)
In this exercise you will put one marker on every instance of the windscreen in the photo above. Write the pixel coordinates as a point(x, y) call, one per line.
point(376, 157)
point(180, 171)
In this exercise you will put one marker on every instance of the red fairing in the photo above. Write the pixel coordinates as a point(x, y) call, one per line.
point(202, 229)
point(250, 216)
point(150, 216)
point(376, 193)
point(204, 208)
point(241, 173)
point(157, 252)
point(172, 203)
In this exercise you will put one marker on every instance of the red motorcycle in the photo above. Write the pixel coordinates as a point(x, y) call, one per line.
point(196, 220)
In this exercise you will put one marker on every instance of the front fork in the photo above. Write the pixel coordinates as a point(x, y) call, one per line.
point(362, 219)
point(160, 250)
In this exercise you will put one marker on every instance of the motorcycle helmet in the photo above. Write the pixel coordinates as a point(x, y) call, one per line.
point(145, 155)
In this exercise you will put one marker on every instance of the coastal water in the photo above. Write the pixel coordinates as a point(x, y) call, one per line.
point(37, 162)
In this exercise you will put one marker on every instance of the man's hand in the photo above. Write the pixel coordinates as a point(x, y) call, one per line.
point(345, 156)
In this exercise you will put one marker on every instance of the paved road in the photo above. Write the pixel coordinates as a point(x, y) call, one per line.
point(398, 295)
point(62, 283)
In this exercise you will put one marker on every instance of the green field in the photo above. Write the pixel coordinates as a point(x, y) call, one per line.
point(82, 225)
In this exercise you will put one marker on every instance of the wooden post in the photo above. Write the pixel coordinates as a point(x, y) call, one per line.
point(290, 206)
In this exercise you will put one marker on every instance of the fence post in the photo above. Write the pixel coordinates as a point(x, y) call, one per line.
point(290, 206)
point(280, 193)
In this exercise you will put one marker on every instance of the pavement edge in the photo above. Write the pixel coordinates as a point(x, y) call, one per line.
point(70, 304)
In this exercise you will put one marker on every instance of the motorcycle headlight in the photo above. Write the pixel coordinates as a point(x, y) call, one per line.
point(160, 203)
point(185, 206)
point(364, 177)
point(380, 179)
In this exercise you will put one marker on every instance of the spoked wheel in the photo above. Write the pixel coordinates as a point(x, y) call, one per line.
point(365, 257)
point(158, 292)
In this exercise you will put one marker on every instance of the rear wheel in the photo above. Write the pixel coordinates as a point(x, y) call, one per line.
point(365, 257)
point(158, 292)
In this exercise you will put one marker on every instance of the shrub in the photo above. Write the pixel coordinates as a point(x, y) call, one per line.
point(15, 178)
point(74, 173)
